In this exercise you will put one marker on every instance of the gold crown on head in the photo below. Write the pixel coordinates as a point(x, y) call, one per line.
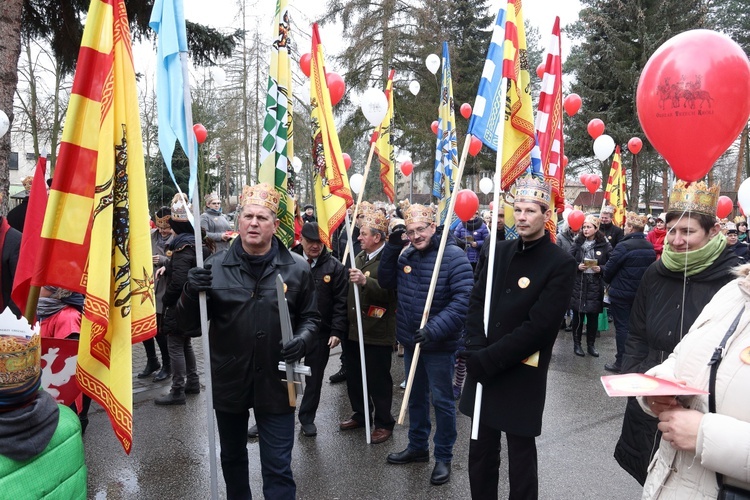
point(739, 219)
point(634, 219)
point(695, 198)
point(532, 190)
point(162, 222)
point(365, 207)
point(19, 360)
point(419, 213)
point(210, 197)
point(262, 194)
point(374, 219)
point(180, 207)
point(592, 219)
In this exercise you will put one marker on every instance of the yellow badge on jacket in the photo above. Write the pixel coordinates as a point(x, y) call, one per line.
point(327, 278)
point(367, 274)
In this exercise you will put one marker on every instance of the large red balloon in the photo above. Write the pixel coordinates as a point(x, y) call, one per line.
point(434, 127)
point(693, 100)
point(336, 87)
point(540, 70)
point(564, 161)
point(467, 204)
point(595, 128)
point(407, 168)
point(593, 183)
point(466, 110)
point(583, 178)
point(475, 146)
point(347, 160)
point(304, 63)
point(634, 145)
point(572, 104)
point(200, 133)
point(724, 207)
point(575, 220)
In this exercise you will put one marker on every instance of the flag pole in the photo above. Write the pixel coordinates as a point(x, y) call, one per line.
point(202, 295)
point(359, 195)
point(433, 280)
point(360, 335)
point(497, 181)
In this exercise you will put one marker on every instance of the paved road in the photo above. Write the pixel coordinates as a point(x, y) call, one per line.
point(170, 452)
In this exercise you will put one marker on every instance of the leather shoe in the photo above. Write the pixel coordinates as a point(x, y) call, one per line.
point(193, 389)
point(592, 351)
point(350, 424)
point(171, 398)
point(309, 430)
point(163, 374)
point(614, 367)
point(577, 350)
point(408, 456)
point(252, 432)
point(339, 376)
point(441, 474)
point(380, 435)
point(152, 365)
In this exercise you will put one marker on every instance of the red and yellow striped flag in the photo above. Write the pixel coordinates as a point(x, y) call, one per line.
point(384, 144)
point(614, 192)
point(95, 236)
point(332, 193)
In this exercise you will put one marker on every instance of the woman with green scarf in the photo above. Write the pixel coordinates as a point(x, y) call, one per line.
point(695, 264)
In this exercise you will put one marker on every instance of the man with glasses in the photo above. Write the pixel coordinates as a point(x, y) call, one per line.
point(410, 274)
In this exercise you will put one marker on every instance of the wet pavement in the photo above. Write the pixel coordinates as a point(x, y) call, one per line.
point(169, 459)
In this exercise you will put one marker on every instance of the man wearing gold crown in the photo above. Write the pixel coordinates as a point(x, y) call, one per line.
point(694, 265)
point(410, 274)
point(245, 341)
point(531, 285)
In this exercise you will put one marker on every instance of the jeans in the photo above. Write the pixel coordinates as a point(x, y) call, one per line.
point(621, 316)
point(275, 441)
point(182, 358)
point(434, 375)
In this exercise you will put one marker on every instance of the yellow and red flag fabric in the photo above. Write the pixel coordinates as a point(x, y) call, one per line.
point(332, 193)
point(95, 238)
point(384, 144)
point(614, 192)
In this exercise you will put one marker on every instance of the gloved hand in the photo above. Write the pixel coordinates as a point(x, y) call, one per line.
point(397, 237)
point(474, 365)
point(199, 279)
point(422, 336)
point(293, 350)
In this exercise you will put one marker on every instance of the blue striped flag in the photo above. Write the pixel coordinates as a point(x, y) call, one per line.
point(446, 148)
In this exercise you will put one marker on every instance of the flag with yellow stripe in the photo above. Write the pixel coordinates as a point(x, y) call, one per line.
point(614, 192)
point(384, 144)
point(95, 237)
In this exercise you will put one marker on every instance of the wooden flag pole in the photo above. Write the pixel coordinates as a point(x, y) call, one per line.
point(359, 198)
point(433, 280)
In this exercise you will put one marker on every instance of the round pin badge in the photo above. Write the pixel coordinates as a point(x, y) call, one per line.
point(407, 269)
point(524, 282)
point(327, 278)
point(367, 274)
point(598, 252)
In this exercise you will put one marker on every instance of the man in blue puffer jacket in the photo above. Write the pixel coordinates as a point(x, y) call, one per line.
point(623, 272)
point(410, 273)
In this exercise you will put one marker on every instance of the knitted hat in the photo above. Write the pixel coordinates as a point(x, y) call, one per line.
point(262, 194)
point(180, 208)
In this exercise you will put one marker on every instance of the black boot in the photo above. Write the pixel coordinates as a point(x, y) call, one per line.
point(577, 344)
point(151, 366)
point(171, 398)
point(592, 350)
point(164, 373)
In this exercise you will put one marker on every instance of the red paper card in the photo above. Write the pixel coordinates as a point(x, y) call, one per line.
point(640, 384)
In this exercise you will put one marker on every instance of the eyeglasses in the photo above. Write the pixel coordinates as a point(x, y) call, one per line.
point(414, 232)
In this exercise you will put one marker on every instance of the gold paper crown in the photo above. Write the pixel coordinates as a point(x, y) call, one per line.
point(739, 219)
point(162, 222)
point(263, 195)
point(419, 213)
point(696, 198)
point(27, 183)
point(593, 220)
point(609, 209)
point(403, 205)
point(636, 220)
point(19, 360)
point(730, 226)
point(374, 219)
point(210, 197)
point(180, 207)
point(364, 208)
point(532, 190)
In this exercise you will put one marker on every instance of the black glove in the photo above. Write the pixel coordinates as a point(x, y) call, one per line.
point(422, 336)
point(397, 237)
point(199, 279)
point(474, 365)
point(293, 350)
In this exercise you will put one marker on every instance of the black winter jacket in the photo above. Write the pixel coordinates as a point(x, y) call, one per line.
point(182, 258)
point(626, 266)
point(588, 291)
point(245, 331)
point(614, 234)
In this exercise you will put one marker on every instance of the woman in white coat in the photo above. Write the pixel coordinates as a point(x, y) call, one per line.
point(697, 444)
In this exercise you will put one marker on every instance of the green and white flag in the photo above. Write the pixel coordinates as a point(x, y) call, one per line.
point(277, 150)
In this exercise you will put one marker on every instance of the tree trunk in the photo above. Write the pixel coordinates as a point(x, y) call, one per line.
point(635, 185)
point(741, 159)
point(10, 51)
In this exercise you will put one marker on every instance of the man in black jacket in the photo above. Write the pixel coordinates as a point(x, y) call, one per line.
point(613, 233)
point(245, 341)
point(623, 272)
point(331, 286)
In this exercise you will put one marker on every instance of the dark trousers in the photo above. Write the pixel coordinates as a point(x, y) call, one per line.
point(161, 339)
point(592, 324)
point(275, 443)
point(317, 361)
point(379, 383)
point(621, 316)
point(484, 465)
point(183, 363)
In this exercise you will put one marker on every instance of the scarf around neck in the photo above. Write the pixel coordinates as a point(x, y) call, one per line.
point(694, 262)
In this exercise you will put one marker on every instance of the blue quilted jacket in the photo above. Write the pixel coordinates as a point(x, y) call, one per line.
point(410, 273)
point(626, 266)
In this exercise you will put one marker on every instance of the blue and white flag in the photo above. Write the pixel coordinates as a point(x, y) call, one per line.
point(446, 148)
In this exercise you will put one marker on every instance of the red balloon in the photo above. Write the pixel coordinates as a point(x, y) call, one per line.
point(725, 206)
point(407, 168)
point(200, 133)
point(593, 183)
point(565, 161)
point(635, 145)
point(575, 220)
point(540, 70)
point(475, 146)
point(434, 127)
point(347, 160)
point(583, 178)
point(336, 87)
point(595, 128)
point(467, 204)
point(687, 109)
point(572, 104)
point(466, 110)
point(304, 63)
point(492, 205)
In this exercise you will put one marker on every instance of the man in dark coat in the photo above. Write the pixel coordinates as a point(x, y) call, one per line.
point(245, 342)
point(485, 251)
point(309, 215)
point(531, 284)
point(410, 273)
point(331, 286)
point(613, 233)
point(623, 272)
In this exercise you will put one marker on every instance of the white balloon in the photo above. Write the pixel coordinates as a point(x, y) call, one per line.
point(485, 185)
point(374, 106)
point(4, 123)
point(604, 145)
point(296, 164)
point(743, 196)
point(433, 63)
point(414, 87)
point(565, 214)
point(218, 75)
point(355, 182)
